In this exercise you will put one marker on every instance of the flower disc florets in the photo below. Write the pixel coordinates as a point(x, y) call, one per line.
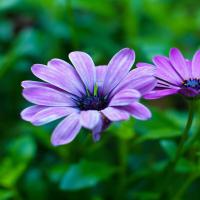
point(92, 103)
point(192, 83)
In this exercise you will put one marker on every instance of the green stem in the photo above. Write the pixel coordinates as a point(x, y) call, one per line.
point(187, 182)
point(195, 137)
point(185, 134)
point(192, 140)
point(183, 188)
point(169, 170)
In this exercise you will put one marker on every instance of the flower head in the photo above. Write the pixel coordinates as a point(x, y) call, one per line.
point(175, 75)
point(87, 96)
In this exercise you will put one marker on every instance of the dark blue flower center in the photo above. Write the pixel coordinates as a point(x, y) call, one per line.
point(92, 103)
point(192, 83)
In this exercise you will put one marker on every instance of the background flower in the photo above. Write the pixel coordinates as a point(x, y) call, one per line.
point(71, 93)
point(175, 75)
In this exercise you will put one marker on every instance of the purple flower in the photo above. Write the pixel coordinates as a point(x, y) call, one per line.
point(175, 75)
point(87, 96)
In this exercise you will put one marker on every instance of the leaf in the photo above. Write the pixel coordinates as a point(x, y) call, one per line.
point(6, 30)
point(10, 172)
point(23, 46)
point(124, 129)
point(186, 166)
point(35, 185)
point(160, 134)
point(22, 149)
point(163, 125)
point(159, 120)
point(85, 174)
point(5, 4)
point(56, 172)
point(20, 152)
point(169, 147)
point(146, 195)
point(6, 194)
point(102, 7)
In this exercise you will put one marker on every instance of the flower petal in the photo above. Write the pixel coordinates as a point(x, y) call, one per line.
point(145, 85)
point(47, 97)
point(178, 61)
point(27, 84)
point(141, 79)
point(67, 130)
point(118, 68)
point(50, 114)
point(96, 132)
point(59, 65)
point(156, 94)
point(100, 75)
point(67, 79)
point(141, 72)
point(196, 65)
point(138, 111)
point(166, 71)
point(115, 114)
point(125, 97)
point(89, 118)
point(85, 67)
point(28, 113)
point(142, 64)
point(189, 66)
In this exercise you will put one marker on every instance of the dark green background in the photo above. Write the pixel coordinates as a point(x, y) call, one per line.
point(129, 160)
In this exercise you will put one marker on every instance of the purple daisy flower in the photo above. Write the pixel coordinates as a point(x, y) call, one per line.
point(87, 96)
point(175, 75)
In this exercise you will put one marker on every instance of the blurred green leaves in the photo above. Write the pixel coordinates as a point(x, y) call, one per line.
point(6, 32)
point(6, 4)
point(85, 174)
point(10, 172)
point(169, 147)
point(162, 125)
point(19, 153)
point(6, 194)
point(24, 148)
point(35, 31)
point(103, 7)
point(160, 134)
point(124, 129)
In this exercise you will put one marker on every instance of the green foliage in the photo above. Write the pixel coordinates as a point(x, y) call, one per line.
point(129, 161)
point(6, 194)
point(20, 152)
point(85, 174)
point(162, 125)
point(124, 129)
